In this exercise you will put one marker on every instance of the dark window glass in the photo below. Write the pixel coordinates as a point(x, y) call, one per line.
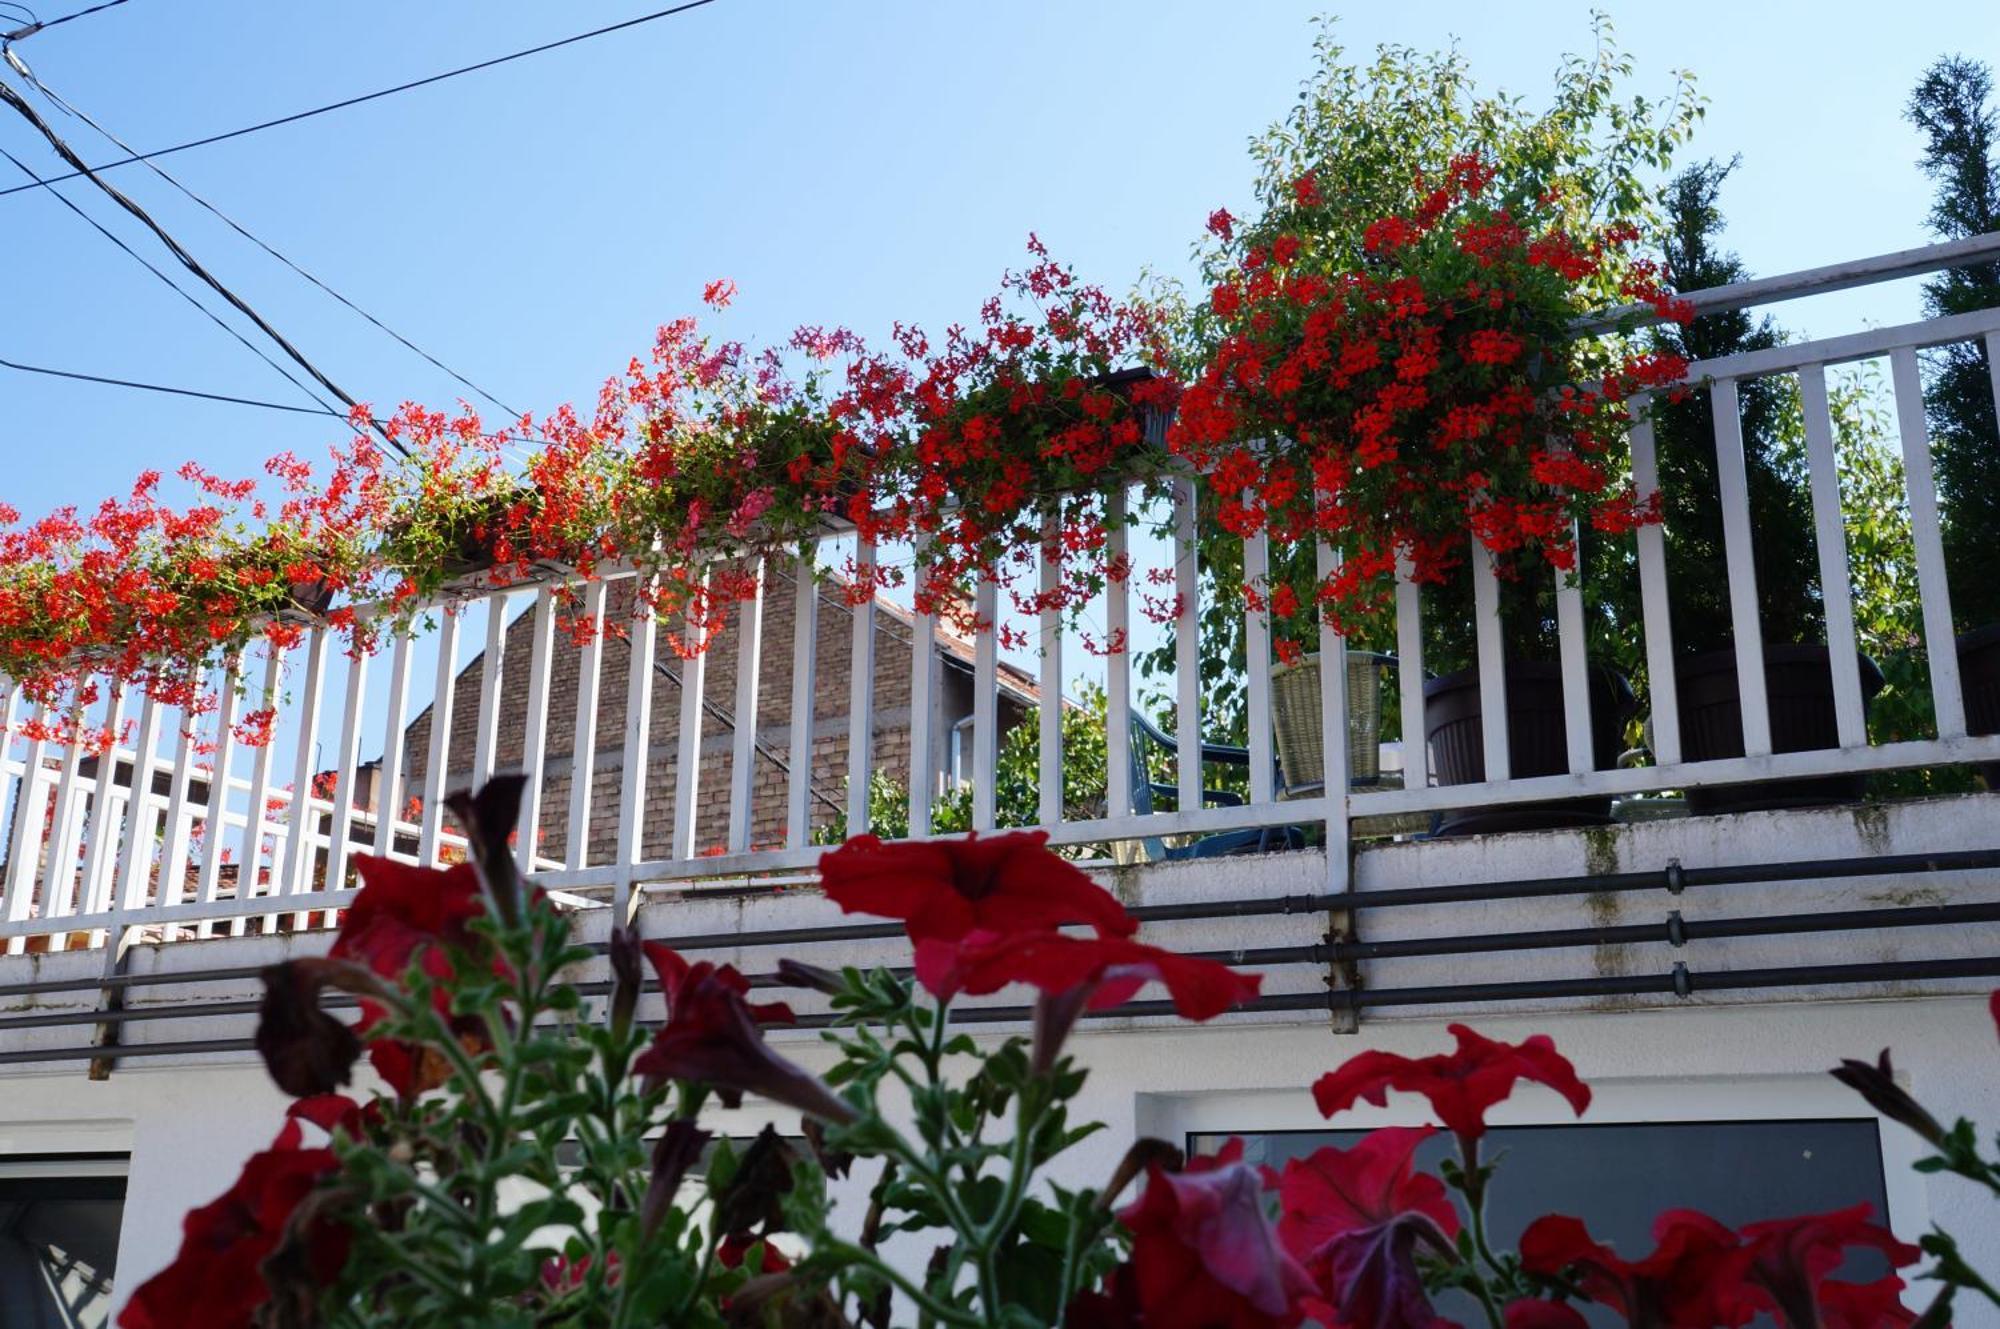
point(1618, 1177)
point(58, 1244)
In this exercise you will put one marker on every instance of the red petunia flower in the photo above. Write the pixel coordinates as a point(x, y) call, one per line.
point(1205, 1254)
point(401, 909)
point(1694, 1275)
point(1876, 1305)
point(944, 889)
point(1528, 1313)
point(1353, 1219)
point(1461, 1085)
point(1789, 1258)
point(714, 1037)
point(216, 1280)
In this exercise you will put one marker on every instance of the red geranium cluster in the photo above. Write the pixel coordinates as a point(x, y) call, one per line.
point(1392, 401)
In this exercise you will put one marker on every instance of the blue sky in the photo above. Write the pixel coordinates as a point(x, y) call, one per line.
point(852, 163)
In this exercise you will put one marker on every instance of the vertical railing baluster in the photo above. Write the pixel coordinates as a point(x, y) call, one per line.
point(743, 748)
point(135, 838)
point(861, 690)
point(535, 736)
point(215, 818)
point(583, 748)
point(59, 879)
point(104, 817)
point(1573, 652)
point(24, 841)
point(1335, 727)
point(437, 763)
point(174, 831)
point(251, 857)
point(985, 702)
point(1410, 673)
point(1187, 644)
point(1940, 645)
point(687, 757)
point(1118, 660)
point(1830, 536)
point(1049, 715)
point(643, 639)
point(805, 659)
point(923, 711)
point(1747, 626)
point(300, 852)
point(389, 780)
point(1257, 664)
point(1491, 643)
point(347, 768)
point(1654, 614)
point(492, 689)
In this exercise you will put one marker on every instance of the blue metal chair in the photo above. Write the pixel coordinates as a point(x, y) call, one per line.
point(1145, 790)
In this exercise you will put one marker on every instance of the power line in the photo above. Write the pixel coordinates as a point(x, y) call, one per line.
point(241, 230)
point(35, 25)
point(68, 154)
point(172, 285)
point(372, 96)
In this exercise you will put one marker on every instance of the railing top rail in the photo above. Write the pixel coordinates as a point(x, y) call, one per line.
point(1815, 281)
point(1848, 347)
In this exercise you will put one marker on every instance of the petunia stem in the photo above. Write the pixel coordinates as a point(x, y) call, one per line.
point(924, 1301)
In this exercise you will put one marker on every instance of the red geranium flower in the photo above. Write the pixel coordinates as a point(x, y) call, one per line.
point(944, 889)
point(1204, 1252)
point(1353, 1218)
point(1790, 1258)
point(216, 1280)
point(1461, 1085)
point(1693, 1277)
point(713, 1037)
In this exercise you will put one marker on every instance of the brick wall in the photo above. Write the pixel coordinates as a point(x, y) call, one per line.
point(834, 651)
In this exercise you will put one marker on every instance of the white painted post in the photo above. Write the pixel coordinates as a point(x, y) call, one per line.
point(347, 763)
point(1492, 664)
point(805, 653)
point(59, 879)
point(215, 819)
point(1187, 646)
point(1257, 666)
point(174, 835)
point(1117, 666)
point(687, 758)
point(535, 738)
point(1941, 645)
point(492, 685)
point(1410, 673)
point(1654, 613)
point(985, 703)
point(743, 748)
point(1575, 665)
point(102, 823)
point(135, 842)
point(1338, 776)
point(389, 790)
point(861, 692)
point(1830, 535)
point(251, 855)
point(643, 637)
point(300, 855)
point(437, 772)
point(583, 748)
point(1748, 628)
point(923, 711)
point(1049, 715)
point(24, 843)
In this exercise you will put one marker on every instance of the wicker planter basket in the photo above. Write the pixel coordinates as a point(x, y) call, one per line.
point(1296, 727)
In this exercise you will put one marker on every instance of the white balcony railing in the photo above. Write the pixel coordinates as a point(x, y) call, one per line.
point(213, 836)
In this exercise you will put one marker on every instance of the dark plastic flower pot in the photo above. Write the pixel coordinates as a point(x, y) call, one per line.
point(1979, 680)
point(1537, 742)
point(312, 598)
point(1798, 684)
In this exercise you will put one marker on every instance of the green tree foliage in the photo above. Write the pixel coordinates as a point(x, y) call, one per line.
point(1953, 107)
point(1780, 495)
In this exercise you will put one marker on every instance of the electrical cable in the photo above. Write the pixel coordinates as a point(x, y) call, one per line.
point(384, 92)
point(243, 231)
point(35, 25)
point(176, 288)
point(68, 154)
